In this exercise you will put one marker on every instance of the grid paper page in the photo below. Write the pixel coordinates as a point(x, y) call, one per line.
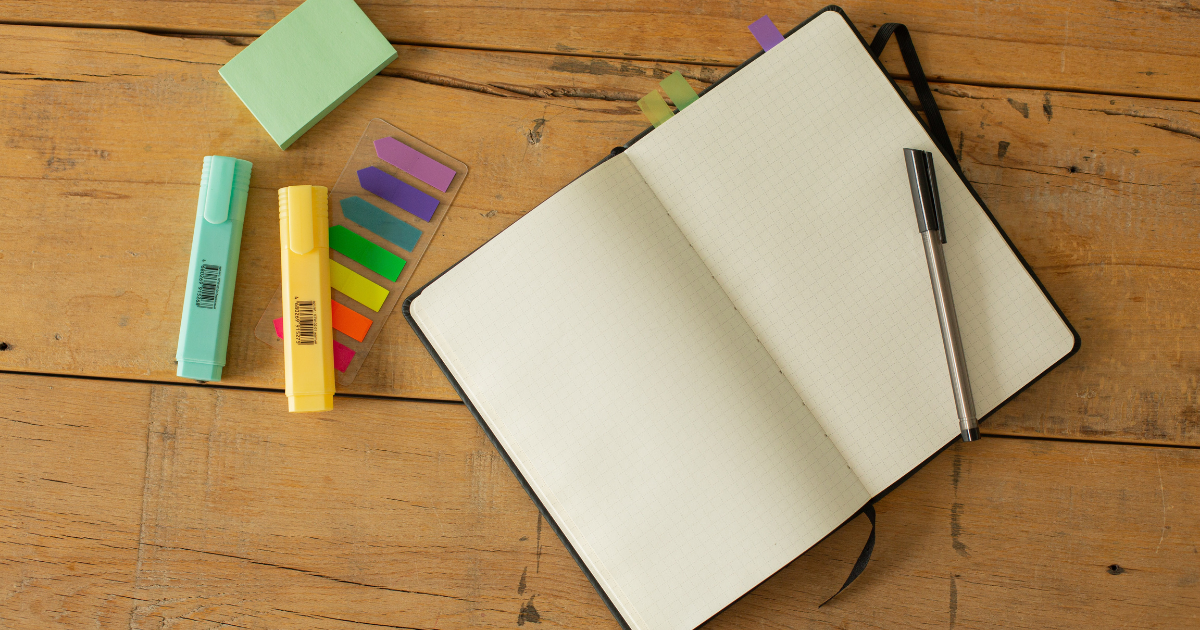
point(788, 178)
point(636, 402)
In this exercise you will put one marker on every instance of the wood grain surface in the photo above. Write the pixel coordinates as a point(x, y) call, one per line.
point(72, 471)
point(132, 499)
point(1097, 192)
point(163, 506)
point(1144, 48)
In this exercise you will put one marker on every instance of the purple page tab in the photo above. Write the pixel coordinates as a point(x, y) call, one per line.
point(408, 198)
point(765, 31)
point(414, 163)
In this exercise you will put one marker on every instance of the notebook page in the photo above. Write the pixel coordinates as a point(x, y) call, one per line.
point(788, 178)
point(635, 400)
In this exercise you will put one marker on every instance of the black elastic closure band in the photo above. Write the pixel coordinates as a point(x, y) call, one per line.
point(860, 565)
point(937, 128)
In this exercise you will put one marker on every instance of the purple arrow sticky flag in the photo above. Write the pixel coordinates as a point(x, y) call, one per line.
point(408, 198)
point(414, 163)
point(767, 34)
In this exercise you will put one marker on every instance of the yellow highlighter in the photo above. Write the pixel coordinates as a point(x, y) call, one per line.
point(307, 318)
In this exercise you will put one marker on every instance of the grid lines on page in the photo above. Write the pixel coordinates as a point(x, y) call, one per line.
point(788, 179)
point(637, 402)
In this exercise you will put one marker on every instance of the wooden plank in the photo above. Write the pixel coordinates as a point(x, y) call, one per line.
point(1148, 49)
point(1098, 193)
point(400, 514)
point(1013, 534)
point(72, 464)
point(381, 512)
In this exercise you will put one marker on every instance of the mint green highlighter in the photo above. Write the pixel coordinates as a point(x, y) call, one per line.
point(208, 299)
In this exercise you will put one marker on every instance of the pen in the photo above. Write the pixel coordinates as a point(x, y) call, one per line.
point(216, 241)
point(307, 314)
point(923, 182)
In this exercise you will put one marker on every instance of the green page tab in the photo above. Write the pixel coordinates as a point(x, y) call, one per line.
point(307, 64)
point(655, 108)
point(679, 90)
point(365, 253)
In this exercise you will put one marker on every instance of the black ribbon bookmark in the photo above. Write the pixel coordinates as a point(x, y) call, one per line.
point(912, 63)
point(863, 558)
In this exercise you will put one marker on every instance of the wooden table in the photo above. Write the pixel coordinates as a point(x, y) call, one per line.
point(131, 498)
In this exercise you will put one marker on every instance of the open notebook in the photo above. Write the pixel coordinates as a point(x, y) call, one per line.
point(705, 354)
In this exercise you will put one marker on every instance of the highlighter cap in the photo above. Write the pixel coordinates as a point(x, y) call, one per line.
point(212, 269)
point(302, 211)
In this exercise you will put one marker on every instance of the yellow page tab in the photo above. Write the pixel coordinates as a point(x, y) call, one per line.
point(356, 287)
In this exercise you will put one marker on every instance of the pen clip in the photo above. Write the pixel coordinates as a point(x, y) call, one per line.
point(301, 224)
point(937, 200)
point(219, 196)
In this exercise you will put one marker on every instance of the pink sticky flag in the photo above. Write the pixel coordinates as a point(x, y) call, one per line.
point(342, 356)
point(767, 34)
point(414, 163)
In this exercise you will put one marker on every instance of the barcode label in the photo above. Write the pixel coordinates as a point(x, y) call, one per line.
point(206, 288)
point(306, 322)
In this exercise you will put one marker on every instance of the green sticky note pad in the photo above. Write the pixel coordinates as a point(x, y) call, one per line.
point(307, 64)
point(365, 253)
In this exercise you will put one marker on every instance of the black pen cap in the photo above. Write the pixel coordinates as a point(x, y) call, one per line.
point(919, 164)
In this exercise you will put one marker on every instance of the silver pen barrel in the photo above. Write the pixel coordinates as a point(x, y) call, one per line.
point(956, 358)
point(929, 223)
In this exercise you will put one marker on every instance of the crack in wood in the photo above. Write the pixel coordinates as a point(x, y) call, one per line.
point(305, 572)
point(509, 90)
point(1174, 129)
point(115, 52)
point(25, 76)
point(365, 623)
